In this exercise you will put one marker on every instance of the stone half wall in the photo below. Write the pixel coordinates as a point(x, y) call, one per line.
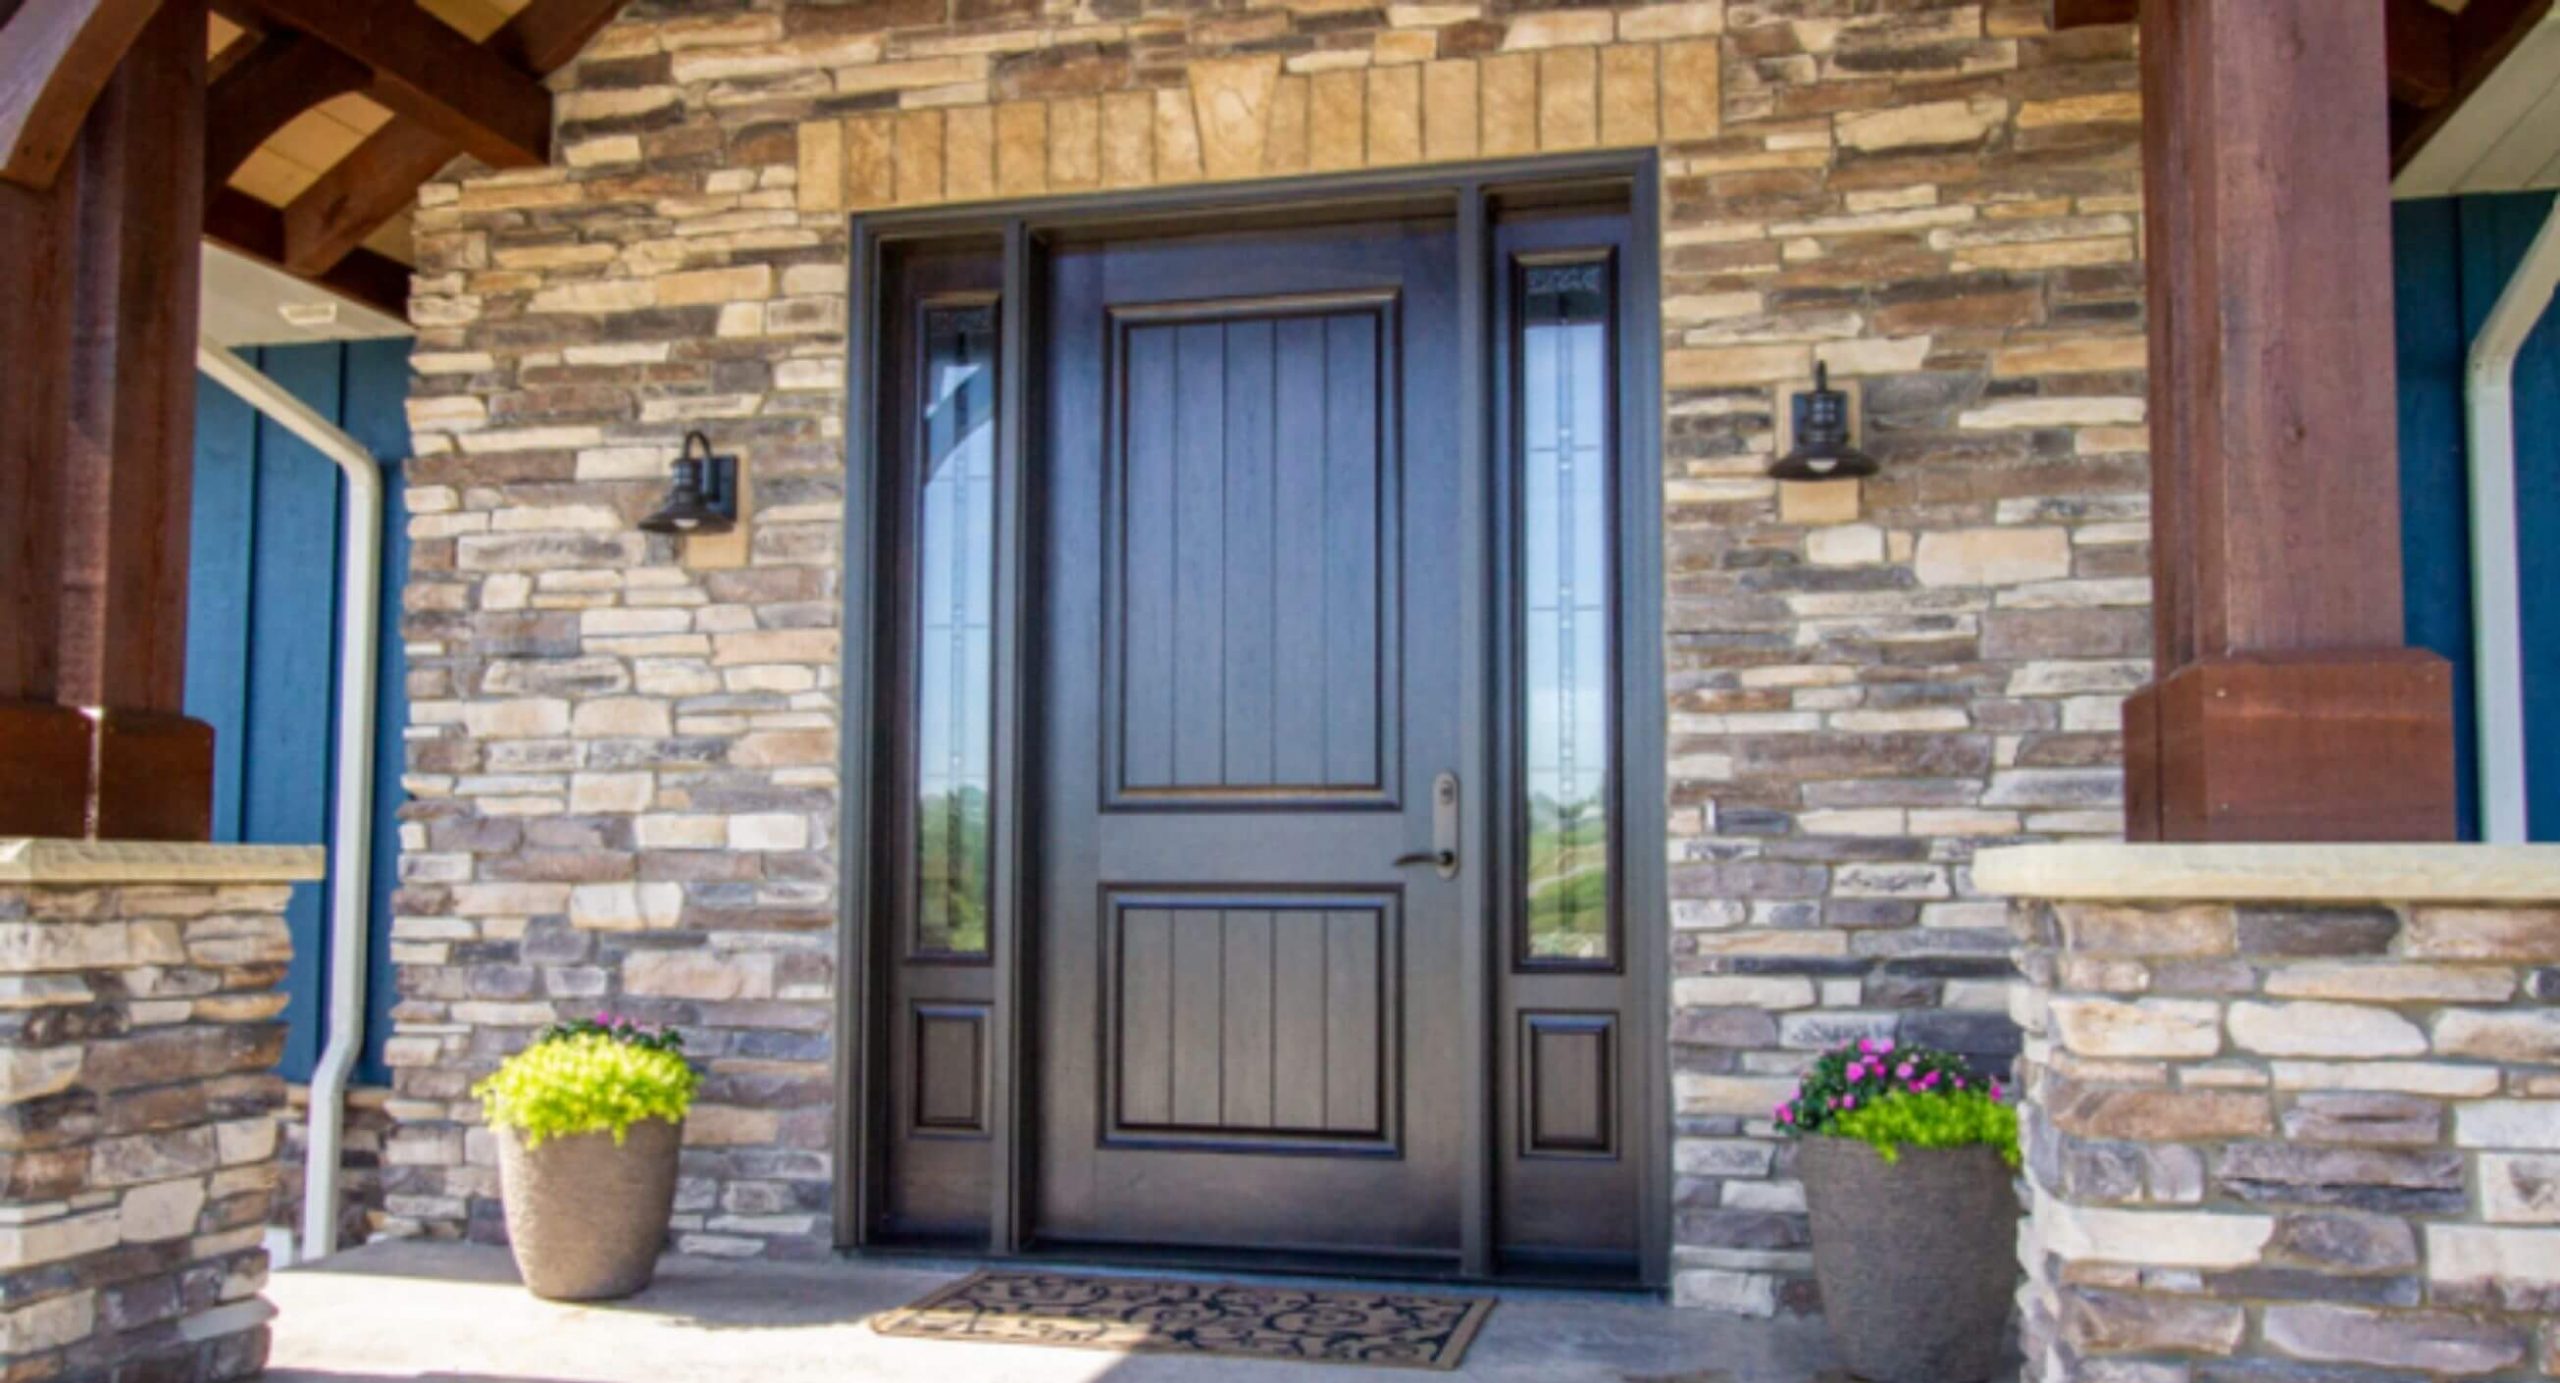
point(140, 1024)
point(623, 757)
point(2290, 1113)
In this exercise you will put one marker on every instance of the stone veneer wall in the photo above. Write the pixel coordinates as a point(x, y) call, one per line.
point(2292, 1140)
point(139, 1033)
point(623, 761)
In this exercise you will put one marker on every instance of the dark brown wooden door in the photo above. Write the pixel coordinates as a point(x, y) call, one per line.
point(1250, 1033)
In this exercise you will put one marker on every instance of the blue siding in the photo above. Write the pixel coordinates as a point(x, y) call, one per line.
point(2454, 258)
point(262, 642)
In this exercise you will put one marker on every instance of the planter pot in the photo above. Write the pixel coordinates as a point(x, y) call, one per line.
point(1917, 1259)
point(585, 1216)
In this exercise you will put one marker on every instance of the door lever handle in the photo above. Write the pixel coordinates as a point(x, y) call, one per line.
point(1443, 854)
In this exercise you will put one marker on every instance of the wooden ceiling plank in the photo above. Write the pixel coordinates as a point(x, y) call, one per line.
point(425, 70)
point(380, 179)
point(2420, 38)
point(264, 91)
point(2481, 37)
point(56, 56)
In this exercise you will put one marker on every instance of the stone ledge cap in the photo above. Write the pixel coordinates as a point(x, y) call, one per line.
point(2269, 873)
point(26, 861)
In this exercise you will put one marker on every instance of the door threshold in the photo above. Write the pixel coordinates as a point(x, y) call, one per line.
point(1541, 1274)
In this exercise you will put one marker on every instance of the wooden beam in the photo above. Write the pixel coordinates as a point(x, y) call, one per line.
point(380, 179)
point(2474, 43)
point(264, 91)
point(426, 70)
point(2420, 39)
point(2286, 704)
point(56, 56)
point(241, 222)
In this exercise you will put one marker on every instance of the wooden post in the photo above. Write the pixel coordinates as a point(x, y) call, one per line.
point(2288, 705)
point(97, 452)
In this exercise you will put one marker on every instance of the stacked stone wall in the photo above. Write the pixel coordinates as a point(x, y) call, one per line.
point(622, 754)
point(139, 1033)
point(2291, 1141)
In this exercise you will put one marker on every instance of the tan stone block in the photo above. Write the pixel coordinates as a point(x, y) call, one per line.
point(2105, 107)
point(822, 167)
point(1403, 47)
point(2393, 984)
point(1284, 148)
point(1568, 98)
point(1177, 138)
point(2100, 929)
point(1813, 502)
point(1075, 143)
point(969, 153)
point(738, 283)
point(53, 1323)
point(1508, 97)
point(2324, 1029)
point(870, 163)
point(1993, 556)
point(1337, 121)
point(1022, 148)
point(2523, 1037)
point(1651, 22)
point(1231, 100)
point(163, 1210)
point(2187, 1028)
point(1925, 124)
point(2516, 934)
point(1449, 129)
point(1561, 28)
point(1733, 367)
point(1395, 116)
point(1630, 95)
point(919, 157)
point(2094, 355)
point(1128, 139)
point(1692, 89)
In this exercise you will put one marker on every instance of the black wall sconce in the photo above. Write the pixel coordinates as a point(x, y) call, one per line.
point(1823, 449)
point(704, 497)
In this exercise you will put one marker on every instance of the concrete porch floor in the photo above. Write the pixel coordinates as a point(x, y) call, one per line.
point(447, 1313)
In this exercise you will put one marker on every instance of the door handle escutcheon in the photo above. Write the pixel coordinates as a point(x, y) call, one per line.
point(1443, 854)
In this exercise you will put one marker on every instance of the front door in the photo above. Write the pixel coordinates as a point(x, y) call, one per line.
point(1250, 1027)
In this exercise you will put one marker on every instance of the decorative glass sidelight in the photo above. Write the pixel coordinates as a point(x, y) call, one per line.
point(1566, 564)
point(955, 552)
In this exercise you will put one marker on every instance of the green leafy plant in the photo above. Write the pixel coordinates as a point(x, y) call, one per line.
point(592, 1076)
point(1890, 1097)
point(1965, 1119)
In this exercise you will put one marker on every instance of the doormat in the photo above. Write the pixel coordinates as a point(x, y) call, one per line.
point(1233, 1320)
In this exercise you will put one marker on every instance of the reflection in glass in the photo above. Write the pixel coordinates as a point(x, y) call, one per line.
point(1564, 516)
point(955, 571)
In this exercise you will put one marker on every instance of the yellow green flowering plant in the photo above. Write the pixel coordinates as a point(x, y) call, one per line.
point(597, 1076)
point(1890, 1097)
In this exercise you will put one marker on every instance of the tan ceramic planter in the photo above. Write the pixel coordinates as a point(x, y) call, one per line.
point(587, 1217)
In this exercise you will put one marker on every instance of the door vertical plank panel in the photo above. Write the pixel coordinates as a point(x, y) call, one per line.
point(1199, 954)
point(1298, 1020)
point(1351, 1020)
point(1245, 1045)
point(1301, 571)
point(1145, 1075)
point(1147, 526)
point(1199, 699)
point(1250, 589)
point(1352, 493)
point(1018, 345)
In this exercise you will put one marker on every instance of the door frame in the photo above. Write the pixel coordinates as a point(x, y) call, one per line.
point(1468, 192)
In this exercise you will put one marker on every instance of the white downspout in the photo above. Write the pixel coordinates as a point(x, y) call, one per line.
point(2497, 614)
point(350, 884)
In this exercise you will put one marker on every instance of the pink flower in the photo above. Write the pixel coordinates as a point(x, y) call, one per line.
point(1997, 1092)
point(1867, 1045)
point(1850, 1102)
point(1903, 1070)
point(1885, 1048)
point(1786, 1115)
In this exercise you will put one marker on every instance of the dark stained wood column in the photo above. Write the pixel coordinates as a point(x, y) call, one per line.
point(97, 454)
point(2288, 705)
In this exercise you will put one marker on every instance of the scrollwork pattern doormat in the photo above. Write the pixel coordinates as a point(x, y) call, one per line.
point(1134, 1315)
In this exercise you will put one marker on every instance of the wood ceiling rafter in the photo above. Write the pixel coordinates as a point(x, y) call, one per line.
point(331, 219)
point(56, 57)
point(274, 82)
point(427, 71)
point(2437, 57)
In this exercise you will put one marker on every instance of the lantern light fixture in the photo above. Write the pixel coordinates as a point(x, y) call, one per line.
point(704, 496)
point(1823, 449)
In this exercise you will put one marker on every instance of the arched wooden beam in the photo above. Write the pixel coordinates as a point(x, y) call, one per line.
point(380, 179)
point(56, 56)
point(427, 71)
point(262, 93)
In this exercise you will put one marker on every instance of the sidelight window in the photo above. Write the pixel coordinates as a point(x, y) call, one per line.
point(955, 621)
point(1565, 392)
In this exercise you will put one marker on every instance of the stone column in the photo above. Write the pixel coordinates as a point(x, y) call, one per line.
point(140, 1024)
point(2291, 1112)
